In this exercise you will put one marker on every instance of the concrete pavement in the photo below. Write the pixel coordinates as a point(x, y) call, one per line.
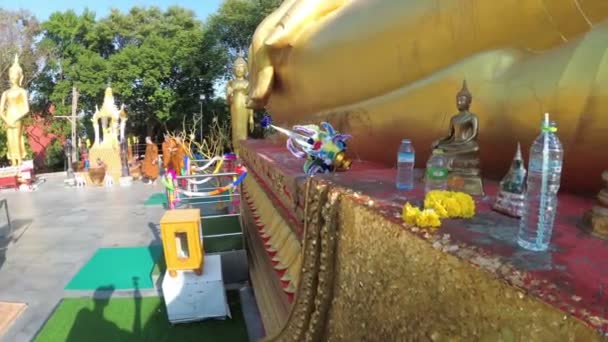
point(55, 231)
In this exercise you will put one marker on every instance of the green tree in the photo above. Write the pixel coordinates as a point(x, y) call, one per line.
point(234, 24)
point(18, 33)
point(158, 63)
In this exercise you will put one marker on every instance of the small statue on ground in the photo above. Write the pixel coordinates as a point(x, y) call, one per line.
point(13, 107)
point(597, 217)
point(511, 195)
point(460, 147)
point(150, 164)
point(236, 96)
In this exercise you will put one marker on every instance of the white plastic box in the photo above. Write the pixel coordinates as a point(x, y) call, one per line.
point(190, 298)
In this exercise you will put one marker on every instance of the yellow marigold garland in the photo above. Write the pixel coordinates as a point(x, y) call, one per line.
point(421, 218)
point(439, 204)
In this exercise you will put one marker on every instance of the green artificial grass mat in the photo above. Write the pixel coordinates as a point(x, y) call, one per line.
point(114, 320)
point(157, 199)
point(117, 267)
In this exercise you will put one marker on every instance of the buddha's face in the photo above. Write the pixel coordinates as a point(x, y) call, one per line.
point(240, 70)
point(15, 76)
point(463, 102)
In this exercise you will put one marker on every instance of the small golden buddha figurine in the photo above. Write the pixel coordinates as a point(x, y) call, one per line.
point(236, 96)
point(13, 107)
point(460, 147)
point(597, 217)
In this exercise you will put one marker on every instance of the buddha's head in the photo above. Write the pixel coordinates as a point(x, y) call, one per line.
point(240, 67)
point(464, 98)
point(15, 73)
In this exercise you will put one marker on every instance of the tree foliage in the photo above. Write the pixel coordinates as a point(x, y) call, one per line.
point(234, 24)
point(18, 33)
point(153, 60)
point(159, 62)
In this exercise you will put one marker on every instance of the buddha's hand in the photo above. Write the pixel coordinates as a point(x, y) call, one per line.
point(251, 123)
point(278, 30)
point(10, 123)
point(297, 17)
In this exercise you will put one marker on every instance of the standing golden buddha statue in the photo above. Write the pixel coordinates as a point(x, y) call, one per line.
point(460, 147)
point(236, 96)
point(13, 107)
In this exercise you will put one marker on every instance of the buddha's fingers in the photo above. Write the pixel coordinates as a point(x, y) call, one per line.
point(299, 15)
point(260, 91)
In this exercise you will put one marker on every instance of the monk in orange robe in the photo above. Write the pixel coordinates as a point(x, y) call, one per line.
point(150, 164)
point(166, 152)
point(178, 156)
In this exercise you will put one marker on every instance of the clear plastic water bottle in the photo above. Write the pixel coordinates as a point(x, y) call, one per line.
point(436, 175)
point(405, 165)
point(544, 174)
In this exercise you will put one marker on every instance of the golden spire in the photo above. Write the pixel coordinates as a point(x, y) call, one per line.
point(240, 59)
point(15, 71)
point(465, 91)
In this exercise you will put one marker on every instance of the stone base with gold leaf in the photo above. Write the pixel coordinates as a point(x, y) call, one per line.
point(467, 183)
point(464, 174)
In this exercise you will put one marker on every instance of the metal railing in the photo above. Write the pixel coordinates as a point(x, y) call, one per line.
point(216, 199)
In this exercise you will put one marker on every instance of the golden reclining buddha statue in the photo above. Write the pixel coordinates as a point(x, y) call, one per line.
point(387, 70)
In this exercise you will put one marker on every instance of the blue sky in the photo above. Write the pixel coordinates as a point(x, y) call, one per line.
point(43, 8)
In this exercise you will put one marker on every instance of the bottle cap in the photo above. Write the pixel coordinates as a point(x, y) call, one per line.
point(548, 125)
point(406, 141)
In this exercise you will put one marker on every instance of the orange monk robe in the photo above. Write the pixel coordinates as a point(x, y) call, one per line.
point(150, 163)
point(177, 158)
point(166, 153)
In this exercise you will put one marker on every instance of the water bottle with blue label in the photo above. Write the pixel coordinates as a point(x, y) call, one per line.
point(405, 165)
point(544, 175)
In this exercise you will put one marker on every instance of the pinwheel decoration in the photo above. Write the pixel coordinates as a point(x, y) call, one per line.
point(321, 146)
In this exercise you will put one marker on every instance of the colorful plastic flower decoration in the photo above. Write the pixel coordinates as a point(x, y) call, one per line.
point(322, 147)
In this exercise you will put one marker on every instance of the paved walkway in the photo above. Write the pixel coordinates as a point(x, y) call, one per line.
point(55, 231)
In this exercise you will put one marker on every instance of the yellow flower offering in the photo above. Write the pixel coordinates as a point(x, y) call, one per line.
point(450, 204)
point(439, 204)
point(410, 214)
point(428, 218)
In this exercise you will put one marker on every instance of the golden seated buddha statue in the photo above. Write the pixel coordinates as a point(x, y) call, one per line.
point(460, 147)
